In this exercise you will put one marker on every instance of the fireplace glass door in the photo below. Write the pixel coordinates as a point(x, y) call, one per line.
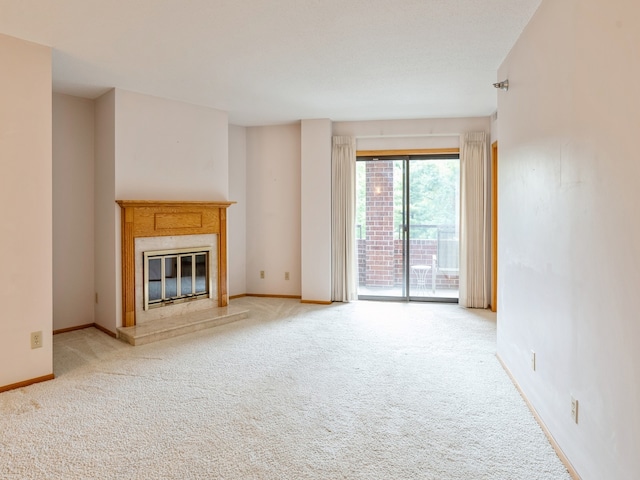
point(173, 276)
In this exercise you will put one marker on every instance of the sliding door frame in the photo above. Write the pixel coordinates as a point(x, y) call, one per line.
point(494, 227)
point(406, 156)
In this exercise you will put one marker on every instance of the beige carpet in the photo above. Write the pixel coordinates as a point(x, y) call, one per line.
point(364, 390)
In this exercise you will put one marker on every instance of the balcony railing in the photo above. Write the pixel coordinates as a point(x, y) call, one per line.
point(433, 246)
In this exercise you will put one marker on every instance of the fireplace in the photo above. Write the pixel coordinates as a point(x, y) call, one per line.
point(173, 258)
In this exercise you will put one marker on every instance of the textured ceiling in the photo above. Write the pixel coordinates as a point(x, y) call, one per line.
point(276, 61)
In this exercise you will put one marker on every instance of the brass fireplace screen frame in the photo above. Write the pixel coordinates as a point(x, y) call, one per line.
point(152, 218)
point(187, 286)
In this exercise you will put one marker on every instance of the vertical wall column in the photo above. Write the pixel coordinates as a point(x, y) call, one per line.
point(26, 226)
point(315, 225)
point(380, 244)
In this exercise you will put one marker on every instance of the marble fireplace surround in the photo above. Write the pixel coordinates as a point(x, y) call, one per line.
point(154, 218)
point(151, 244)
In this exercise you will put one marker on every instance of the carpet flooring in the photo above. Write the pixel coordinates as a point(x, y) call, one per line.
point(365, 390)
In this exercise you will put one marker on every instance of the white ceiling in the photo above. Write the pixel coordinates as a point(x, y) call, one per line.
point(277, 61)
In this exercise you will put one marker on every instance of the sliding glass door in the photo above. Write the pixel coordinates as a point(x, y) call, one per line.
point(434, 220)
point(407, 221)
point(380, 232)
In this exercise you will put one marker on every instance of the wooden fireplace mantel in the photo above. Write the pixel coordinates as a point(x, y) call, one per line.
point(158, 218)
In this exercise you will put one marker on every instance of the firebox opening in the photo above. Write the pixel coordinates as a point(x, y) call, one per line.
point(176, 276)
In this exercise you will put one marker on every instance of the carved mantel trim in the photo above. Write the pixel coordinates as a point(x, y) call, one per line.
point(159, 218)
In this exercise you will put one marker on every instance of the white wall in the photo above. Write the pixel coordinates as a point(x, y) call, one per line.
point(315, 217)
point(73, 272)
point(494, 127)
point(273, 209)
point(569, 249)
point(237, 214)
point(25, 194)
point(169, 150)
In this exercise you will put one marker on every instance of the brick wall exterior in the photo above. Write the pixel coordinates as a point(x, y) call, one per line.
point(380, 248)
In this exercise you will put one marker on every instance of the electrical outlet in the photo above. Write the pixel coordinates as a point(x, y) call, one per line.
point(261, 273)
point(574, 409)
point(36, 340)
point(286, 275)
point(533, 360)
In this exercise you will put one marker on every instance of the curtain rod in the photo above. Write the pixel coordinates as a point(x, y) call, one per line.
point(415, 135)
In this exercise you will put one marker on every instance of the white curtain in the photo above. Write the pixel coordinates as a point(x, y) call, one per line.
point(343, 213)
point(474, 286)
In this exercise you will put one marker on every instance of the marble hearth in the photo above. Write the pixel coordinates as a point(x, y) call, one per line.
point(168, 327)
